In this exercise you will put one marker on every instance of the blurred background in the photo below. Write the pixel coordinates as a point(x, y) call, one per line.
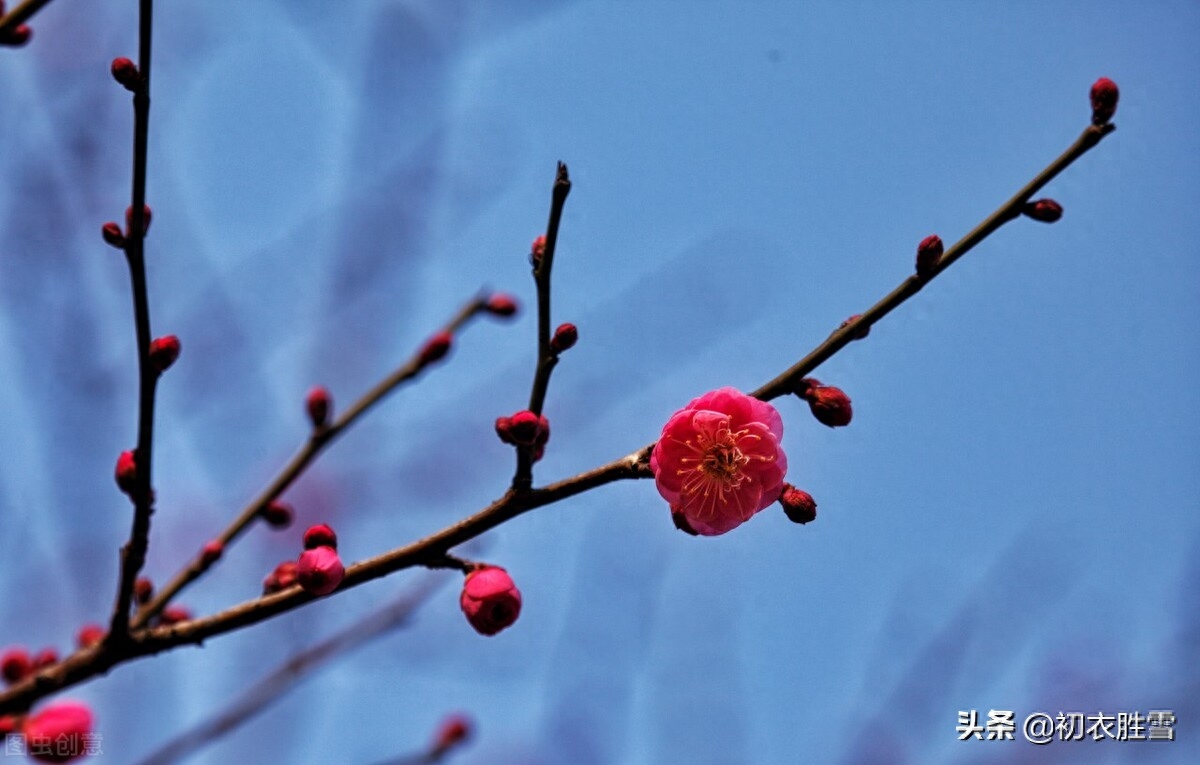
point(1009, 523)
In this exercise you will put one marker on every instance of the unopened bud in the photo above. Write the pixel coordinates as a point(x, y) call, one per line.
point(212, 552)
point(490, 600)
point(143, 590)
point(45, 658)
point(504, 429)
point(320, 535)
point(89, 635)
point(564, 337)
point(146, 215)
point(320, 570)
point(1044, 210)
point(278, 515)
point(454, 730)
point(929, 252)
point(318, 403)
point(126, 472)
point(113, 235)
point(281, 578)
point(1104, 97)
point(798, 505)
point(829, 405)
point(15, 665)
point(528, 429)
point(163, 352)
point(501, 305)
point(436, 347)
point(537, 250)
point(18, 36)
point(174, 615)
point(125, 72)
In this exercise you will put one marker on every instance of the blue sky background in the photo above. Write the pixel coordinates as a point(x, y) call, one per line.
point(1009, 523)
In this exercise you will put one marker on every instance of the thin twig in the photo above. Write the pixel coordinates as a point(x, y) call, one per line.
point(88, 663)
point(318, 440)
point(547, 357)
point(19, 15)
point(1010, 210)
point(288, 675)
point(133, 554)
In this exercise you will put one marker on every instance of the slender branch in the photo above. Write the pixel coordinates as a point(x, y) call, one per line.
point(133, 554)
point(319, 439)
point(547, 357)
point(1008, 211)
point(88, 663)
point(289, 674)
point(19, 15)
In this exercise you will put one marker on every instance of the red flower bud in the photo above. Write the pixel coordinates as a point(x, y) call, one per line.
point(320, 570)
point(143, 590)
point(281, 578)
point(1104, 97)
point(174, 615)
point(146, 215)
point(1044, 210)
point(537, 250)
point(528, 429)
point(320, 535)
point(564, 337)
point(113, 235)
point(501, 305)
point(59, 733)
point(15, 665)
point(212, 552)
point(163, 352)
point(126, 73)
point(859, 333)
point(490, 600)
point(504, 429)
point(18, 36)
point(829, 405)
point(278, 515)
point(454, 730)
point(45, 658)
point(798, 505)
point(89, 635)
point(319, 403)
point(929, 251)
point(126, 473)
point(436, 347)
point(9, 724)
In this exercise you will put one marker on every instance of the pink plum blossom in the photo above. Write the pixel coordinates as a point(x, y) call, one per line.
point(718, 461)
point(59, 732)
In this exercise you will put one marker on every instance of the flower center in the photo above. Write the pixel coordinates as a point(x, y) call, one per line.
point(716, 467)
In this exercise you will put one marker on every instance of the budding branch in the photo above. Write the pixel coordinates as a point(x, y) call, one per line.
point(434, 551)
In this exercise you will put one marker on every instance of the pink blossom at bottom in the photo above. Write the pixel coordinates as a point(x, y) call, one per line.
point(59, 732)
point(719, 461)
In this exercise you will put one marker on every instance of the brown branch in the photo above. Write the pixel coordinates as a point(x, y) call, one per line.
point(288, 675)
point(133, 554)
point(547, 357)
point(91, 662)
point(319, 439)
point(1011, 209)
point(19, 15)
